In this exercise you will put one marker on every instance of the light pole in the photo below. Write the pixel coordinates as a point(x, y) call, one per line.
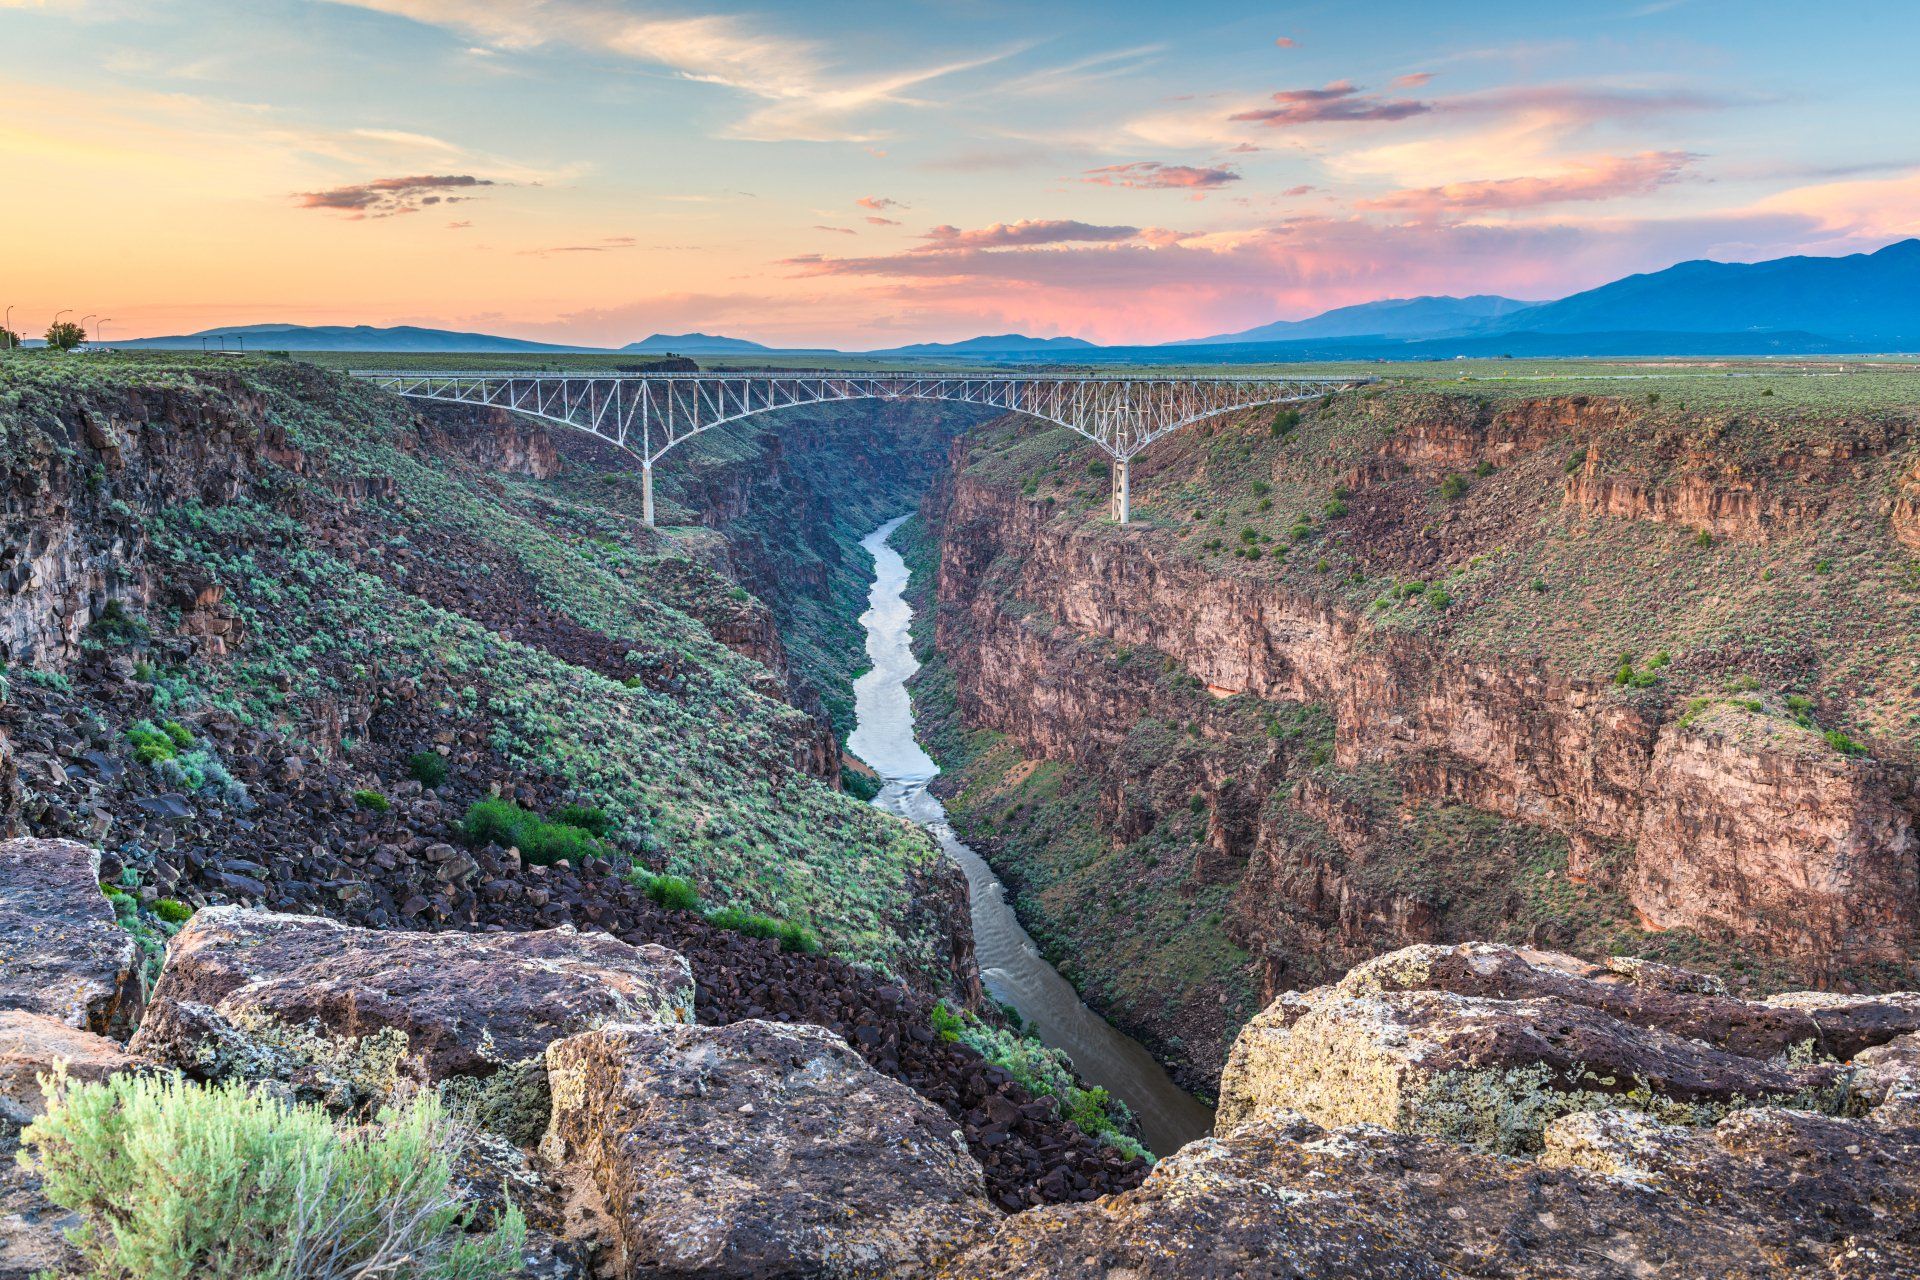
point(101, 328)
point(12, 342)
point(83, 325)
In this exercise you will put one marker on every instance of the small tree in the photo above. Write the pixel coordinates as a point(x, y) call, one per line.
point(9, 340)
point(65, 335)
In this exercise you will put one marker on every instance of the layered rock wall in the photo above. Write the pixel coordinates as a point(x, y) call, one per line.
point(1803, 854)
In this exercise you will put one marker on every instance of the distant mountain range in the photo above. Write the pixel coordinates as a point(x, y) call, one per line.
point(1390, 317)
point(693, 344)
point(339, 337)
point(1865, 302)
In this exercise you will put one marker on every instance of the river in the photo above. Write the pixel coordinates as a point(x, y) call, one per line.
point(1010, 963)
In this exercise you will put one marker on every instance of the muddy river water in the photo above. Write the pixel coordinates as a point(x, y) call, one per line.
point(1010, 963)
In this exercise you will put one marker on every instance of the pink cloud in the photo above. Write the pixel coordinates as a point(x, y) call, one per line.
point(1149, 175)
point(1287, 42)
point(878, 221)
point(1412, 80)
point(1605, 178)
point(1134, 291)
point(879, 204)
point(385, 197)
point(1337, 103)
point(840, 231)
point(1024, 233)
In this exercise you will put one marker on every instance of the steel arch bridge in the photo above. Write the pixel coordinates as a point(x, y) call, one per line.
point(646, 414)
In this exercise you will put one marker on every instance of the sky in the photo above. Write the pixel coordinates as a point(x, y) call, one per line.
point(866, 174)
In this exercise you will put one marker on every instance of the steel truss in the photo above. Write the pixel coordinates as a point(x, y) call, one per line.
point(647, 414)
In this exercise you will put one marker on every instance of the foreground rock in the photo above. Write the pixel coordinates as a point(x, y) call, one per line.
point(345, 1013)
point(756, 1149)
point(32, 1044)
point(1765, 1193)
point(61, 952)
point(32, 1228)
point(1485, 1045)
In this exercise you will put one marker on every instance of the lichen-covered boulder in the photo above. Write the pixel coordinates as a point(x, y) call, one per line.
point(1484, 1045)
point(756, 1149)
point(1492, 1073)
point(61, 951)
point(344, 1014)
point(1765, 1193)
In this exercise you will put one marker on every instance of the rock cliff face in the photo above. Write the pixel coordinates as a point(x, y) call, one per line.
point(1700, 813)
point(1056, 629)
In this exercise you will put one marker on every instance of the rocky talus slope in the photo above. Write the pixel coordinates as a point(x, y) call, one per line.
point(271, 636)
point(1584, 670)
point(1441, 1111)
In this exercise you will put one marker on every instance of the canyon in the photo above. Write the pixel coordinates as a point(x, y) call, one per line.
point(1550, 732)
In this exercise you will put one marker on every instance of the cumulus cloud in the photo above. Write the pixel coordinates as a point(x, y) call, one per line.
point(1602, 178)
point(1145, 175)
point(1337, 103)
point(1026, 232)
point(385, 197)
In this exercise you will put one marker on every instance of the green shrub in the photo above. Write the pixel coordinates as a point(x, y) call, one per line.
point(1485, 469)
point(151, 745)
point(1438, 598)
point(368, 798)
point(1703, 539)
point(860, 786)
point(675, 893)
point(1454, 487)
point(945, 1022)
point(589, 818)
point(1098, 469)
point(428, 768)
point(1540, 585)
point(179, 1181)
point(792, 935)
point(173, 911)
point(1845, 745)
point(179, 734)
point(1284, 422)
point(1335, 508)
point(1260, 488)
point(1576, 460)
point(1823, 566)
point(540, 842)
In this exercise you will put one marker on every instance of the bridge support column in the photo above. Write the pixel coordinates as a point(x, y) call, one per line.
point(646, 493)
point(1122, 490)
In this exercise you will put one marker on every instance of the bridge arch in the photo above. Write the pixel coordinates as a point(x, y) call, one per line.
point(647, 414)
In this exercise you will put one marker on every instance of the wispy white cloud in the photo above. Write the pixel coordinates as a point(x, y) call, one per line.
point(804, 99)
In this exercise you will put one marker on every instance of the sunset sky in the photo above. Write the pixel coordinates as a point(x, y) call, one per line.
point(863, 174)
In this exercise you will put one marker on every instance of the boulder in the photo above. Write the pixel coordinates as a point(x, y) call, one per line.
point(1618, 1196)
point(31, 1044)
point(1485, 1045)
point(344, 1014)
point(756, 1149)
point(62, 953)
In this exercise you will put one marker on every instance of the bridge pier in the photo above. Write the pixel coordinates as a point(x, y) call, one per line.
point(1122, 506)
point(646, 492)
